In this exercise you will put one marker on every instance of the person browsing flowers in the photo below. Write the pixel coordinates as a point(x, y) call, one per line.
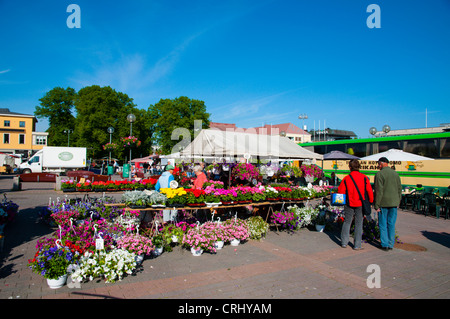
point(201, 177)
point(353, 207)
point(165, 178)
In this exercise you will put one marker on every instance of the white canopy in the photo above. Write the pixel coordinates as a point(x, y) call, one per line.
point(217, 143)
point(396, 155)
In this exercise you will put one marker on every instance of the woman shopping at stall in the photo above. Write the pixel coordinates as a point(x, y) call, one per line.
point(350, 186)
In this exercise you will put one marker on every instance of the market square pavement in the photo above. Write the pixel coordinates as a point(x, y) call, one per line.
point(303, 265)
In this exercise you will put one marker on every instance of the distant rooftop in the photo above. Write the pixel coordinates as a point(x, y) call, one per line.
point(6, 111)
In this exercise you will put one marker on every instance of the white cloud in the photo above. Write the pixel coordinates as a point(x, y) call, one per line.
point(5, 71)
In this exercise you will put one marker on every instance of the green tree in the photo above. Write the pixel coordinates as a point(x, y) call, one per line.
point(168, 115)
point(97, 109)
point(57, 106)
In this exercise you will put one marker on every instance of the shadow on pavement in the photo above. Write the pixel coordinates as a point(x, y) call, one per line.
point(440, 238)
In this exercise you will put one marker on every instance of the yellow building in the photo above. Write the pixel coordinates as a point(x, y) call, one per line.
point(17, 133)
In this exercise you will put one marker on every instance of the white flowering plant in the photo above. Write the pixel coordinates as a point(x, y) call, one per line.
point(257, 227)
point(305, 215)
point(112, 265)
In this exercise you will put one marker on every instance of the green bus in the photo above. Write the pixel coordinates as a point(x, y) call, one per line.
point(434, 173)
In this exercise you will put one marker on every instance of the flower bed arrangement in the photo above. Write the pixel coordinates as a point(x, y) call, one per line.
point(117, 185)
point(82, 224)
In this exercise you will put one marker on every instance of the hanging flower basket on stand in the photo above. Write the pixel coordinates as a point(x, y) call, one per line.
point(130, 142)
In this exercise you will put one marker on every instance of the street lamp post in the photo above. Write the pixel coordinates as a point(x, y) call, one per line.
point(110, 131)
point(68, 136)
point(131, 118)
point(303, 117)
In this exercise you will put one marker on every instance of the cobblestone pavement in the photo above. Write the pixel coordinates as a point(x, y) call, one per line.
point(303, 265)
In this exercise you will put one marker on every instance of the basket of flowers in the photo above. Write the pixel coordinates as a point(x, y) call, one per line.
point(130, 141)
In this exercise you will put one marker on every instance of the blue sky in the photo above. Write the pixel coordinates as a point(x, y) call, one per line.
point(251, 62)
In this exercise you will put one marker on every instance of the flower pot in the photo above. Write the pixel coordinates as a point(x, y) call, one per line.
point(196, 204)
point(214, 204)
point(244, 201)
point(69, 190)
point(57, 283)
point(235, 242)
point(320, 228)
point(227, 203)
point(158, 251)
point(196, 251)
point(219, 244)
point(139, 259)
point(174, 239)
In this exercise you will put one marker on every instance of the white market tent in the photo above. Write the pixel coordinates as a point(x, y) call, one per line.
point(396, 155)
point(217, 143)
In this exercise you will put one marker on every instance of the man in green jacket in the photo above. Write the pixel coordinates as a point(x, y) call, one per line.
point(388, 193)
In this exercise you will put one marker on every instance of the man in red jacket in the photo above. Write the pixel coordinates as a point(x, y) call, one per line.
point(353, 207)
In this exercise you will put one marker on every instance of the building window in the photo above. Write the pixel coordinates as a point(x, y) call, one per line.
point(6, 123)
point(22, 124)
point(6, 138)
point(21, 138)
point(41, 140)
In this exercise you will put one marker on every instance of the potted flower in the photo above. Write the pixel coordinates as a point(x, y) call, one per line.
point(211, 199)
point(84, 186)
point(99, 186)
point(52, 262)
point(158, 243)
point(176, 197)
point(271, 193)
point(68, 186)
point(157, 199)
point(244, 194)
point(227, 196)
point(285, 219)
point(284, 193)
point(199, 239)
point(311, 172)
point(219, 232)
point(257, 227)
point(320, 221)
point(237, 230)
point(195, 197)
point(172, 234)
point(258, 195)
point(137, 244)
point(135, 199)
point(244, 173)
point(115, 264)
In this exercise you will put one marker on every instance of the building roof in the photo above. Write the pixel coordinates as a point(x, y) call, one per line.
point(7, 112)
point(275, 129)
point(267, 129)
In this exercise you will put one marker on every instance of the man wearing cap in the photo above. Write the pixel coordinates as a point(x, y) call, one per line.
point(165, 178)
point(388, 193)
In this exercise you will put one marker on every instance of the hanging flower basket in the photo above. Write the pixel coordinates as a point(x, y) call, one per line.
point(130, 141)
point(110, 147)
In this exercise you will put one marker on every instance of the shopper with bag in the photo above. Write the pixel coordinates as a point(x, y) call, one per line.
point(358, 190)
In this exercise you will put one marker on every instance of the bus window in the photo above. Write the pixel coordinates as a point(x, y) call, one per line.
point(422, 147)
point(358, 149)
point(445, 148)
point(387, 145)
